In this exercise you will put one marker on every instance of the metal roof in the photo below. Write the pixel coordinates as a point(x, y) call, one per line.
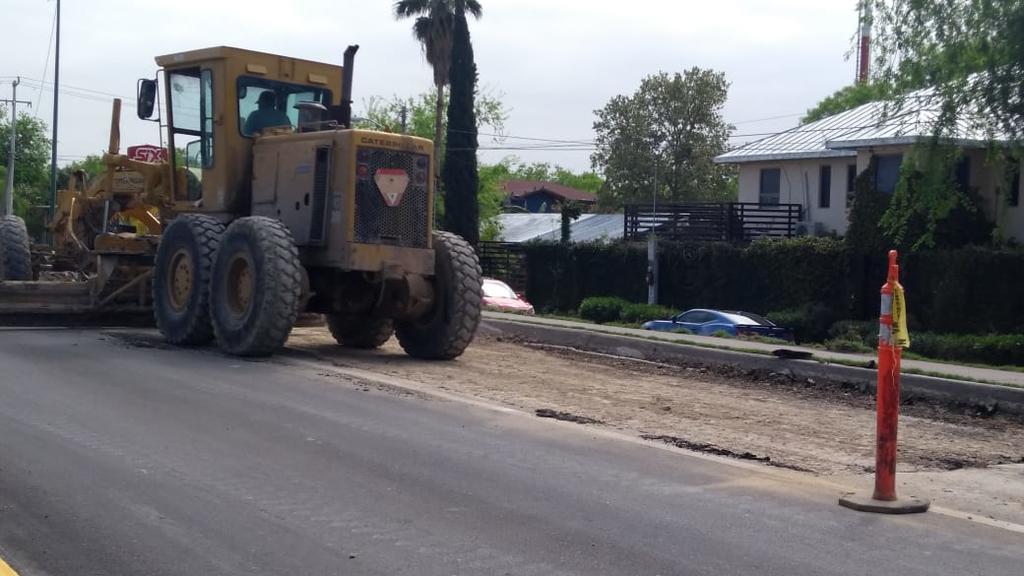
point(871, 124)
point(548, 227)
point(523, 188)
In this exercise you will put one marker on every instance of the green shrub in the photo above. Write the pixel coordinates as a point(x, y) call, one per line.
point(996, 349)
point(602, 309)
point(640, 313)
point(863, 331)
point(850, 345)
point(721, 334)
point(809, 323)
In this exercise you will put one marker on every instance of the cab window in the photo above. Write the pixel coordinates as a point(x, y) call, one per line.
point(266, 103)
point(191, 99)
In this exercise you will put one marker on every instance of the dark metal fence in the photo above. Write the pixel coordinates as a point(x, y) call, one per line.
point(712, 222)
point(505, 261)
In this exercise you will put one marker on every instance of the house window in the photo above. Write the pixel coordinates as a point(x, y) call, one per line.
point(887, 172)
point(770, 180)
point(851, 182)
point(963, 174)
point(825, 187)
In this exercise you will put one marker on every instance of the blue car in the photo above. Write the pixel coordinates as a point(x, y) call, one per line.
point(709, 322)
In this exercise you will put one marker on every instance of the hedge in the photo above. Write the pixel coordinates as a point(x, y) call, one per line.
point(997, 349)
point(969, 290)
point(602, 309)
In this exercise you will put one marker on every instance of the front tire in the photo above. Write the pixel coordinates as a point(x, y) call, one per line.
point(181, 279)
point(256, 287)
point(360, 332)
point(446, 331)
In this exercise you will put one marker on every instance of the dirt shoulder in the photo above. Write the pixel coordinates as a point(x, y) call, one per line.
point(807, 426)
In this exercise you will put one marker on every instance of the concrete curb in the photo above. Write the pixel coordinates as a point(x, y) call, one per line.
point(989, 396)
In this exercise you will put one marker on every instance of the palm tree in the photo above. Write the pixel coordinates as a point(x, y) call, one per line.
point(435, 21)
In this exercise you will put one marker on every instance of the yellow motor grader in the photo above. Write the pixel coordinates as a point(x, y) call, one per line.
point(264, 203)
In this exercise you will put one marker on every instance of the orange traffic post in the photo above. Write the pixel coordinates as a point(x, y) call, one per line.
point(892, 338)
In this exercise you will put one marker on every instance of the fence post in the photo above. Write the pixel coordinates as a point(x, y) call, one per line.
point(884, 499)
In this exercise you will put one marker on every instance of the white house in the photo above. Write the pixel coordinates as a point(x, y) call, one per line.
point(814, 165)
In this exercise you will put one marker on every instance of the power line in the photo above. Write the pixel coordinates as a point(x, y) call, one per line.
point(75, 93)
point(46, 65)
point(49, 86)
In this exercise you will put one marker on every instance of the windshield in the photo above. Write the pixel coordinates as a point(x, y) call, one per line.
point(495, 289)
point(266, 103)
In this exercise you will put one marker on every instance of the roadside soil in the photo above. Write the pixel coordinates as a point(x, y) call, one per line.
point(806, 426)
point(796, 424)
point(960, 457)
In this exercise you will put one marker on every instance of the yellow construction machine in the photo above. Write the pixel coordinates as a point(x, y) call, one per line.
point(263, 203)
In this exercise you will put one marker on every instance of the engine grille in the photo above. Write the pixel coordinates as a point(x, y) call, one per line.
point(377, 223)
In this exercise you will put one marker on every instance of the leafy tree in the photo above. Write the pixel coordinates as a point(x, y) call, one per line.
point(971, 52)
point(461, 179)
point(668, 131)
point(31, 168)
point(386, 114)
point(848, 98)
point(434, 27)
point(92, 165)
point(33, 153)
point(864, 234)
point(928, 208)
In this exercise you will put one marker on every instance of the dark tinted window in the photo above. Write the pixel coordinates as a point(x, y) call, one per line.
point(887, 172)
point(963, 174)
point(770, 181)
point(851, 182)
point(696, 317)
point(825, 187)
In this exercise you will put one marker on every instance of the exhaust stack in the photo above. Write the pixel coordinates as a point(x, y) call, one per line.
point(345, 116)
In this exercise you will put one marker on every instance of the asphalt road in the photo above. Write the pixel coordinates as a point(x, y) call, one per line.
point(128, 459)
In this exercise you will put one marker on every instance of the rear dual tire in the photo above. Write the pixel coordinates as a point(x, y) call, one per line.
point(256, 287)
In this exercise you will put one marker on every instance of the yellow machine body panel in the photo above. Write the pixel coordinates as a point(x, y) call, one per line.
point(210, 94)
point(353, 199)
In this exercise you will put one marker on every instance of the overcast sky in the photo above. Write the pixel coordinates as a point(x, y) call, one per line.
point(555, 61)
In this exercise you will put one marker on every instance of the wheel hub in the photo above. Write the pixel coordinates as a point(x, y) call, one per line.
point(241, 286)
point(181, 280)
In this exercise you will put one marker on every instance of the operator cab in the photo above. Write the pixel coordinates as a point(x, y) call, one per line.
point(218, 100)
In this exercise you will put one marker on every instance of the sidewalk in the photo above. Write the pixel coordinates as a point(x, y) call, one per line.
point(955, 371)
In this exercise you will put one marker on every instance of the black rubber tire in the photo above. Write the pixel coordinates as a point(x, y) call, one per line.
point(260, 326)
point(15, 250)
point(448, 329)
point(197, 236)
point(360, 332)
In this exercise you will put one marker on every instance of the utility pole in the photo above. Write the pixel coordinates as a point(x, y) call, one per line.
point(8, 208)
point(652, 244)
point(56, 91)
point(405, 119)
